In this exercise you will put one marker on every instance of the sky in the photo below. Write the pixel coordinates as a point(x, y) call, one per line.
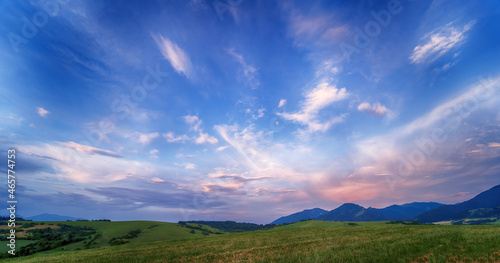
point(247, 110)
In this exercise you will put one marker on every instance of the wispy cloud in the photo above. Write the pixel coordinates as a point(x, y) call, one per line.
point(205, 138)
point(171, 137)
point(42, 112)
point(322, 96)
point(250, 73)
point(153, 154)
point(73, 162)
point(374, 109)
point(222, 148)
point(188, 166)
point(193, 121)
point(143, 138)
point(282, 103)
point(175, 55)
point(90, 150)
point(438, 42)
point(315, 28)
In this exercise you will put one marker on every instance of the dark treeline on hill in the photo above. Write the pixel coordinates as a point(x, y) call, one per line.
point(485, 206)
point(50, 238)
point(227, 226)
point(4, 220)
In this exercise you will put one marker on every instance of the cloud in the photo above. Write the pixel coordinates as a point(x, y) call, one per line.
point(193, 121)
point(249, 143)
point(188, 166)
point(205, 138)
point(441, 145)
point(282, 103)
point(315, 28)
point(315, 100)
point(175, 55)
point(153, 154)
point(157, 180)
point(180, 155)
point(171, 137)
point(250, 73)
point(374, 109)
point(74, 162)
point(222, 148)
point(438, 42)
point(90, 150)
point(42, 112)
point(144, 138)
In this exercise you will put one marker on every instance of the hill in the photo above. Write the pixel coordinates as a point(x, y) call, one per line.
point(99, 234)
point(299, 216)
point(486, 199)
point(308, 241)
point(352, 212)
point(406, 211)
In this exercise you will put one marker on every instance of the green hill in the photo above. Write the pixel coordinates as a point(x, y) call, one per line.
point(308, 241)
point(106, 231)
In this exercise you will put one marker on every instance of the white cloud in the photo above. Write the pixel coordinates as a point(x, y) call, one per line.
point(317, 99)
point(144, 138)
point(250, 73)
point(193, 121)
point(317, 29)
point(438, 42)
point(153, 154)
point(259, 113)
point(171, 137)
point(175, 55)
point(89, 150)
point(282, 103)
point(83, 164)
point(205, 138)
point(188, 166)
point(180, 155)
point(375, 108)
point(157, 180)
point(249, 143)
point(42, 112)
point(430, 144)
point(222, 148)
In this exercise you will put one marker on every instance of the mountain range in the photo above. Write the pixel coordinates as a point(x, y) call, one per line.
point(484, 205)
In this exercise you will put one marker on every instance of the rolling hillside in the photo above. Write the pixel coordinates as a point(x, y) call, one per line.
point(309, 241)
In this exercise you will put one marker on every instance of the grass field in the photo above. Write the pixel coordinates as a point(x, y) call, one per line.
point(151, 231)
point(310, 241)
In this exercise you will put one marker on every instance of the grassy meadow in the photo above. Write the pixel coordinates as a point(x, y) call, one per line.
point(308, 241)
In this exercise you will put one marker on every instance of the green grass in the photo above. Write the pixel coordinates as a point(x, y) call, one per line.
point(310, 241)
point(151, 231)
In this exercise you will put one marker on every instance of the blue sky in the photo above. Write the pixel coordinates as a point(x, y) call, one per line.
point(247, 110)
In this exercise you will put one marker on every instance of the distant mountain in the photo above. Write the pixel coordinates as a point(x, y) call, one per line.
point(406, 211)
point(52, 217)
point(486, 199)
point(352, 212)
point(304, 215)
